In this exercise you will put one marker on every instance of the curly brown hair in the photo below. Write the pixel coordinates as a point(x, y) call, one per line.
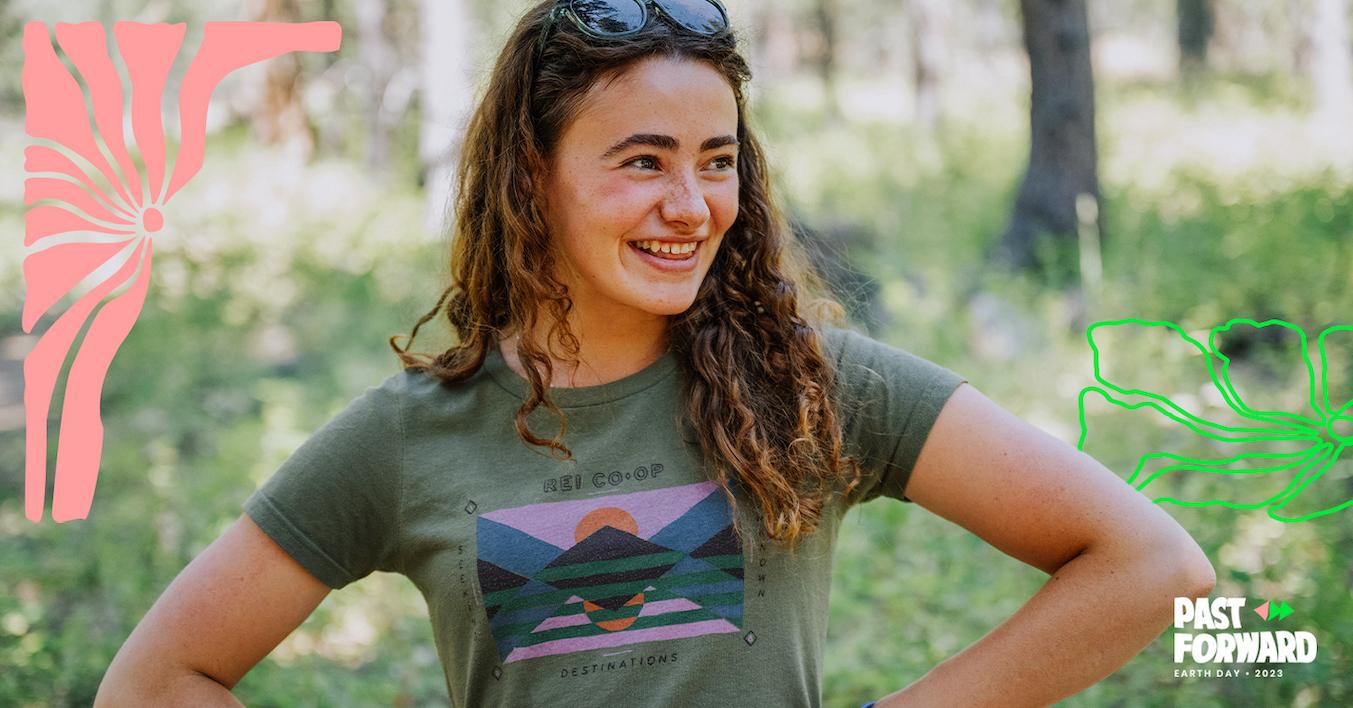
point(757, 378)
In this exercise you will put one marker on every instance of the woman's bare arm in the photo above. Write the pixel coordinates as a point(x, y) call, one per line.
point(1116, 559)
point(229, 607)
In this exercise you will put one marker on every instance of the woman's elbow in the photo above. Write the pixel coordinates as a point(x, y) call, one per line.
point(122, 685)
point(180, 687)
point(1191, 573)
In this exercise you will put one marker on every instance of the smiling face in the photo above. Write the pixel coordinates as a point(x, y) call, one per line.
point(642, 187)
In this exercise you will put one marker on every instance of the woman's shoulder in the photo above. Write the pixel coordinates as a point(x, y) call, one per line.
point(847, 339)
point(862, 362)
point(849, 345)
point(416, 389)
point(889, 399)
point(836, 340)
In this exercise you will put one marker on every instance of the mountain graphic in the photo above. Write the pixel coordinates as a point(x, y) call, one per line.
point(579, 575)
point(723, 543)
point(493, 578)
point(590, 563)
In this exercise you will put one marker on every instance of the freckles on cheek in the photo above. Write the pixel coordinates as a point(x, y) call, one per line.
point(621, 208)
point(621, 195)
point(728, 213)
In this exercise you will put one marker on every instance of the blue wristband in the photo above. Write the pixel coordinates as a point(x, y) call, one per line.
point(868, 705)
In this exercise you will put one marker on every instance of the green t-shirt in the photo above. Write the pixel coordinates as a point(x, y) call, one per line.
point(611, 579)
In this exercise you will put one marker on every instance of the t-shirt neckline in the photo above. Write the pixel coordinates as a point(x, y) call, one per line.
point(565, 397)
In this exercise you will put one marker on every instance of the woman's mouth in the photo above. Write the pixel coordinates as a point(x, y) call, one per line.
point(669, 250)
point(669, 256)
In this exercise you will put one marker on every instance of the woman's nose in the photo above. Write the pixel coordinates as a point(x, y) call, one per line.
point(684, 202)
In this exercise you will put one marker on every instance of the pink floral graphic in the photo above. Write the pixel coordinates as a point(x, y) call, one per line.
point(88, 211)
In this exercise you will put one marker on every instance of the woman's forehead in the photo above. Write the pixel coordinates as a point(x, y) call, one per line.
point(663, 75)
point(659, 96)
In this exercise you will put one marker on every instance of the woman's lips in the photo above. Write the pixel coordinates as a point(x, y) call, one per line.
point(668, 262)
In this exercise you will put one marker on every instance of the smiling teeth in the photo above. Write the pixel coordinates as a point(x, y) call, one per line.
point(666, 247)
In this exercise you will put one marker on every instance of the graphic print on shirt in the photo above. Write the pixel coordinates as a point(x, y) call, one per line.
point(568, 576)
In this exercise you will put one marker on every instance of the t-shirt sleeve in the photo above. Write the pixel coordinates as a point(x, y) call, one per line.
point(333, 505)
point(888, 400)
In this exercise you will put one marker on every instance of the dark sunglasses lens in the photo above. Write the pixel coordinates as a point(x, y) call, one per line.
point(699, 16)
point(606, 17)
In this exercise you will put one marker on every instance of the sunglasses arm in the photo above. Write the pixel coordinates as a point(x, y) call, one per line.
point(555, 15)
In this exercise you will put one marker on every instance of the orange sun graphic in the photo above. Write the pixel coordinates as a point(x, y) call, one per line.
point(620, 520)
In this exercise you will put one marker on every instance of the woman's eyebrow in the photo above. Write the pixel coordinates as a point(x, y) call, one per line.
point(665, 142)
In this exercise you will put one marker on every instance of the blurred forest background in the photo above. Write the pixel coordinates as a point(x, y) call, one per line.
point(982, 178)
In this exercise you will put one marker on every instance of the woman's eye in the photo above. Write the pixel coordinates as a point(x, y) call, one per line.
point(648, 162)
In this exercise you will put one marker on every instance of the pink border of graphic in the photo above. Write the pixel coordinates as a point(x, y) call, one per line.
point(75, 224)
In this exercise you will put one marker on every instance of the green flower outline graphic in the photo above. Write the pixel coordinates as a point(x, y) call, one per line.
point(1316, 427)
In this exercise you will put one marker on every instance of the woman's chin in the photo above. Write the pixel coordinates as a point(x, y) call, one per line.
point(670, 311)
point(667, 307)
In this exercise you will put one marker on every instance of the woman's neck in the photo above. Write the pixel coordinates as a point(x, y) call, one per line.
point(605, 354)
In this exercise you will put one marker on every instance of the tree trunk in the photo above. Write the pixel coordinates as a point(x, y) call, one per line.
point(825, 12)
point(446, 97)
point(1063, 163)
point(1331, 55)
point(379, 60)
point(279, 118)
point(926, 18)
point(1196, 25)
point(778, 49)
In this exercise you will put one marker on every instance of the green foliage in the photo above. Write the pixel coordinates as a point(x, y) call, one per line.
point(1262, 254)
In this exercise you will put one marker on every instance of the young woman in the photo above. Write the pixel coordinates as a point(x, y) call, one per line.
point(622, 486)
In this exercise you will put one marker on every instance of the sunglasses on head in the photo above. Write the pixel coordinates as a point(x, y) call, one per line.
point(605, 19)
